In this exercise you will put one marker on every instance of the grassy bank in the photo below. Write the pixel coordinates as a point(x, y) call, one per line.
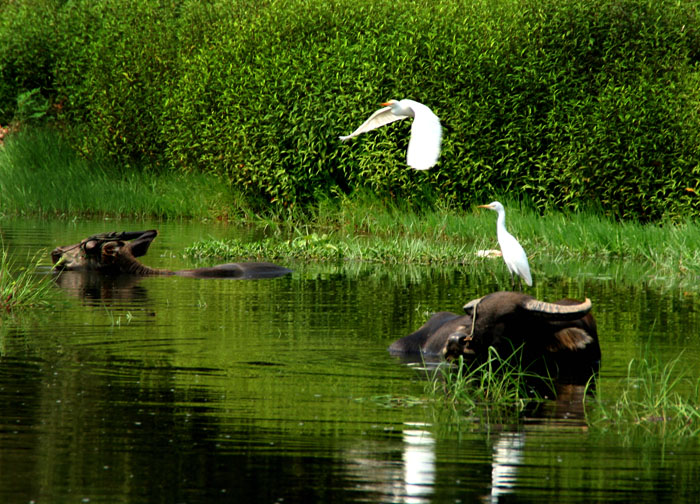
point(41, 174)
point(364, 229)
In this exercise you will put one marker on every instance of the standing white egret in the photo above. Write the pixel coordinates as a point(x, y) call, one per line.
point(513, 253)
point(426, 131)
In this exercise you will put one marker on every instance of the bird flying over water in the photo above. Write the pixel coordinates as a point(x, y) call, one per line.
point(513, 253)
point(426, 131)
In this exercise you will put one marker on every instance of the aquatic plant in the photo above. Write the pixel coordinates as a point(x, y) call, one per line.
point(498, 382)
point(331, 246)
point(579, 245)
point(20, 288)
point(658, 400)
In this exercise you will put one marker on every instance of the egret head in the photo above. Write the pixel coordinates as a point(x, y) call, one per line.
point(494, 205)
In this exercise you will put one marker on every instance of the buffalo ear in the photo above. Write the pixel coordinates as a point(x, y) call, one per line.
point(570, 338)
point(110, 251)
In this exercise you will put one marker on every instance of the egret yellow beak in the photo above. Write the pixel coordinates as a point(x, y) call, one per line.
point(484, 206)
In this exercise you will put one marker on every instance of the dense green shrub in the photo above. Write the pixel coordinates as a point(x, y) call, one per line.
point(562, 103)
point(27, 30)
point(113, 81)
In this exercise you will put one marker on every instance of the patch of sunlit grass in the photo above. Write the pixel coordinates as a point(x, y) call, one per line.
point(333, 246)
point(657, 400)
point(40, 174)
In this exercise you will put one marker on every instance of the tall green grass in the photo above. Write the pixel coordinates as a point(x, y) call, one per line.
point(41, 174)
point(496, 382)
point(656, 399)
point(574, 245)
point(20, 289)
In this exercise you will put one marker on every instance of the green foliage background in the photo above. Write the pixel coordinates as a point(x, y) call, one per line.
point(566, 104)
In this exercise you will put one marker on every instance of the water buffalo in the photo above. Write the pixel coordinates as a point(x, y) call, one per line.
point(115, 253)
point(561, 336)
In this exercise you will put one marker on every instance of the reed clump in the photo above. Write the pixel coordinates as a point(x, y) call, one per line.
point(656, 399)
point(495, 382)
point(21, 289)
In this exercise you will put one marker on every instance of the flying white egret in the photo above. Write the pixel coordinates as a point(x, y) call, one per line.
point(513, 253)
point(426, 132)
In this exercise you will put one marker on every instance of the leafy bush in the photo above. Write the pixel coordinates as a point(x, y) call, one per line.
point(26, 51)
point(113, 79)
point(561, 103)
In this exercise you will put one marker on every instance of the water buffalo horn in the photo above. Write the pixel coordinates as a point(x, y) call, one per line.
point(558, 311)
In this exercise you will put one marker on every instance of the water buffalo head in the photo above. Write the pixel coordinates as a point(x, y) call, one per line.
point(520, 318)
point(115, 254)
point(107, 252)
point(561, 335)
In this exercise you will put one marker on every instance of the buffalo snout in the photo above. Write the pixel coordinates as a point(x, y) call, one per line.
point(458, 344)
point(56, 255)
point(64, 257)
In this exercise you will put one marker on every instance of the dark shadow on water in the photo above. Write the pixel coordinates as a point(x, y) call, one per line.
point(97, 288)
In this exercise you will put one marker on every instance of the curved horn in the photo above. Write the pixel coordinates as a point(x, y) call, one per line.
point(558, 311)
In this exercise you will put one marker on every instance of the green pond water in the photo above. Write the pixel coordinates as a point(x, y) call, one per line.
point(178, 390)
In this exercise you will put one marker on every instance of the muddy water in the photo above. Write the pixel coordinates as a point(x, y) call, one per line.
point(178, 390)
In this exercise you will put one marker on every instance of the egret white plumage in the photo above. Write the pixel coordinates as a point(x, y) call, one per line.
point(513, 253)
point(426, 131)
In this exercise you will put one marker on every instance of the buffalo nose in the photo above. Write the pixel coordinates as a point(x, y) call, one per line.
point(457, 344)
point(56, 254)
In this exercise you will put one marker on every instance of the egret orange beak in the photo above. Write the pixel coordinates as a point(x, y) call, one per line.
point(690, 189)
point(385, 104)
point(484, 206)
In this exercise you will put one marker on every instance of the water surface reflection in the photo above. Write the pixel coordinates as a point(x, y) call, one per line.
point(281, 390)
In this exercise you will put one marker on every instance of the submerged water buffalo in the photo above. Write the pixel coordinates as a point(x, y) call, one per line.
point(560, 336)
point(115, 253)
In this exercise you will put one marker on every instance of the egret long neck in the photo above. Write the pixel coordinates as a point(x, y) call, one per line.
point(501, 223)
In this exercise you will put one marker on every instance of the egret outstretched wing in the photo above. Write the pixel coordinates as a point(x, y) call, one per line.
point(377, 120)
point(426, 131)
